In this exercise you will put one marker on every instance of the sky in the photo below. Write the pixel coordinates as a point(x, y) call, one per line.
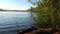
point(15, 4)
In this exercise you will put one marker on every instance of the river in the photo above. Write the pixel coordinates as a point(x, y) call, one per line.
point(8, 22)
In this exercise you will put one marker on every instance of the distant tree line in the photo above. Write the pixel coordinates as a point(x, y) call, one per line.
point(1, 9)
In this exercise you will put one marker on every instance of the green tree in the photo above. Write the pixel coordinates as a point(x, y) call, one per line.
point(48, 13)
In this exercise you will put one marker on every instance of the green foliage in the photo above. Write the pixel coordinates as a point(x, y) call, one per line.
point(48, 13)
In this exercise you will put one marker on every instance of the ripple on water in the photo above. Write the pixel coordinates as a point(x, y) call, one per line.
point(8, 22)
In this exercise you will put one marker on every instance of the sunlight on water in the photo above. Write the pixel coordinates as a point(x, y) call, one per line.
point(8, 21)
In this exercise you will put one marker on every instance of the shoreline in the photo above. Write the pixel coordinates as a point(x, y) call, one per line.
point(40, 31)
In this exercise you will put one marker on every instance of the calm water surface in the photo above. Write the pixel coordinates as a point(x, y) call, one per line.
point(8, 21)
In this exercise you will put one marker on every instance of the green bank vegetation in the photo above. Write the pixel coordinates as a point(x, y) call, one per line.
point(48, 13)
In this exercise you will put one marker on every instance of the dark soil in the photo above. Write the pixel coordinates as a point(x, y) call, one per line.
point(40, 31)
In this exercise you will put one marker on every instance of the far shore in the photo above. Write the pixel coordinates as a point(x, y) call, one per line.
point(14, 11)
